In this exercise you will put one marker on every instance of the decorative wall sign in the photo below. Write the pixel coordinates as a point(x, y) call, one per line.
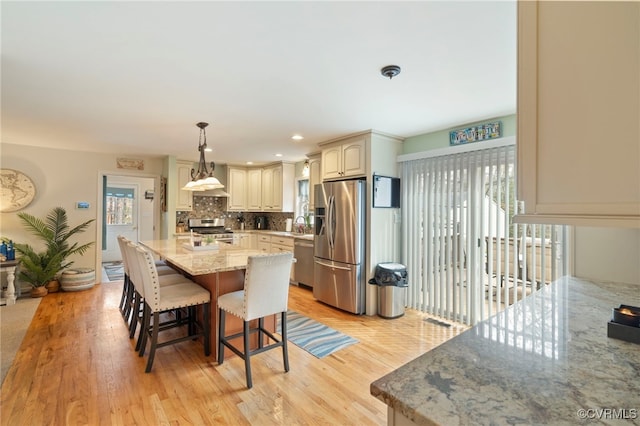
point(481, 132)
point(130, 163)
point(18, 190)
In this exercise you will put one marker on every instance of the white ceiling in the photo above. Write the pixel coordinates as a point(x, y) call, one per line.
point(135, 77)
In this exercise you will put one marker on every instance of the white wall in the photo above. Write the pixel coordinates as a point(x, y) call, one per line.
point(62, 178)
point(607, 254)
point(383, 224)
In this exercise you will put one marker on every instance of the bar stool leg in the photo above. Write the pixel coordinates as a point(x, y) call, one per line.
point(247, 354)
point(221, 337)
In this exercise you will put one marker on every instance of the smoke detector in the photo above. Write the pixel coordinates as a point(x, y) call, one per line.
point(390, 71)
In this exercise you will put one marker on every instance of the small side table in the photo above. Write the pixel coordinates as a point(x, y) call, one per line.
point(9, 295)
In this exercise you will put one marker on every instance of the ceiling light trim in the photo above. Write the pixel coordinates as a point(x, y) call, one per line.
point(390, 71)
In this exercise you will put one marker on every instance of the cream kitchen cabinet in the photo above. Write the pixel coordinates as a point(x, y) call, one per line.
point(344, 159)
point(245, 240)
point(264, 243)
point(237, 188)
point(254, 189)
point(184, 199)
point(268, 202)
point(261, 189)
point(578, 113)
point(281, 245)
point(277, 187)
point(315, 177)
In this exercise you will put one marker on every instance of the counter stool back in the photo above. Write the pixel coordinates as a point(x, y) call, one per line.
point(160, 299)
point(127, 288)
point(126, 300)
point(266, 292)
point(136, 300)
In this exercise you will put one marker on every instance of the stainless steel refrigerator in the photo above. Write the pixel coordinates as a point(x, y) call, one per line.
point(339, 245)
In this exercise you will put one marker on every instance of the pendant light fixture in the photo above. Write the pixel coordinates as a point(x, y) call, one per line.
point(203, 179)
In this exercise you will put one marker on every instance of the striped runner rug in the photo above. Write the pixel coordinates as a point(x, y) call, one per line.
point(314, 337)
point(114, 270)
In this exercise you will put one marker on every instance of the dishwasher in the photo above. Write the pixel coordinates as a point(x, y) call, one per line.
point(303, 268)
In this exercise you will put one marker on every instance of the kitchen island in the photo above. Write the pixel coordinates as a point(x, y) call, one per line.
point(544, 360)
point(220, 271)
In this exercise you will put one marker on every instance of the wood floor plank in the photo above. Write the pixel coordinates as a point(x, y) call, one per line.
point(77, 366)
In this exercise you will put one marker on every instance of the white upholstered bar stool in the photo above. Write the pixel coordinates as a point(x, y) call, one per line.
point(128, 289)
point(135, 279)
point(160, 299)
point(266, 292)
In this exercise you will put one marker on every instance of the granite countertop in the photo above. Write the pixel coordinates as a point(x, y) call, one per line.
point(280, 234)
point(226, 258)
point(255, 231)
point(541, 361)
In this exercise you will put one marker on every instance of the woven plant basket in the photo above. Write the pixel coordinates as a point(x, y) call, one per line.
point(78, 279)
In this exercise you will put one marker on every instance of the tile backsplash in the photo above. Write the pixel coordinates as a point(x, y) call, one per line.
point(216, 207)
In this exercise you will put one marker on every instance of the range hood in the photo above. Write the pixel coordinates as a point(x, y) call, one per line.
point(218, 192)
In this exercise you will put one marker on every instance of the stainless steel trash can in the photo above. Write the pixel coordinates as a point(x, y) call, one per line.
point(391, 301)
point(391, 279)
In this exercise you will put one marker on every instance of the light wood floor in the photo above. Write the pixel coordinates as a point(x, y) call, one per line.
point(77, 366)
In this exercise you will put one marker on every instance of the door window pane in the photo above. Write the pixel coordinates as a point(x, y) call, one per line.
point(119, 206)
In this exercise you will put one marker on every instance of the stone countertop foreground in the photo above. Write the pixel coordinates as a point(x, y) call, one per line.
point(544, 360)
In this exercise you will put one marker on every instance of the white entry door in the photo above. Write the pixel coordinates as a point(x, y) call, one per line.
point(128, 210)
point(121, 217)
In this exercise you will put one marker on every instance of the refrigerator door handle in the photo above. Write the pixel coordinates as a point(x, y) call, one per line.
point(331, 221)
point(332, 266)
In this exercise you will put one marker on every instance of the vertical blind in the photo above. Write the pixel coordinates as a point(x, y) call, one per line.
point(465, 258)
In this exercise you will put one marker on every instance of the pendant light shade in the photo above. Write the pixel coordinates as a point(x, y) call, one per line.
point(203, 179)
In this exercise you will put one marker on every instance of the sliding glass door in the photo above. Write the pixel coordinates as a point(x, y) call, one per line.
point(465, 258)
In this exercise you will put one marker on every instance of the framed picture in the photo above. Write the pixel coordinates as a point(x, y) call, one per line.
point(481, 132)
point(130, 163)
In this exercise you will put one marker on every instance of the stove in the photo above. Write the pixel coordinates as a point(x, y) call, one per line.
point(212, 228)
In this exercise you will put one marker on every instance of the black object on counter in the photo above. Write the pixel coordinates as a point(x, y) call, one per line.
point(625, 324)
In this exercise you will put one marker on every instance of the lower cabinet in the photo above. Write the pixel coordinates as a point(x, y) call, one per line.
point(281, 244)
point(264, 243)
point(246, 241)
point(275, 244)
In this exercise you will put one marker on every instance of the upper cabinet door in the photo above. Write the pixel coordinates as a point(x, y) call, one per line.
point(254, 189)
point(237, 183)
point(579, 112)
point(353, 158)
point(314, 178)
point(184, 199)
point(346, 159)
point(267, 189)
point(332, 162)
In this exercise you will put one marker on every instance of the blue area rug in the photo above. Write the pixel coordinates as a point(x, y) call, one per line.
point(314, 337)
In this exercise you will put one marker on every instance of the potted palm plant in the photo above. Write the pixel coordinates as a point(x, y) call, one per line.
point(38, 269)
point(56, 234)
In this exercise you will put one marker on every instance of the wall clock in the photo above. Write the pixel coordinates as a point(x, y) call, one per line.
point(18, 190)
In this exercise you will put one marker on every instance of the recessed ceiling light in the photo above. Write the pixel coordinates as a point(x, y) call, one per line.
point(297, 137)
point(249, 162)
point(278, 155)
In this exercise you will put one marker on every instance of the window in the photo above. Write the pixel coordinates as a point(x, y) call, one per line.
point(302, 202)
point(119, 206)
